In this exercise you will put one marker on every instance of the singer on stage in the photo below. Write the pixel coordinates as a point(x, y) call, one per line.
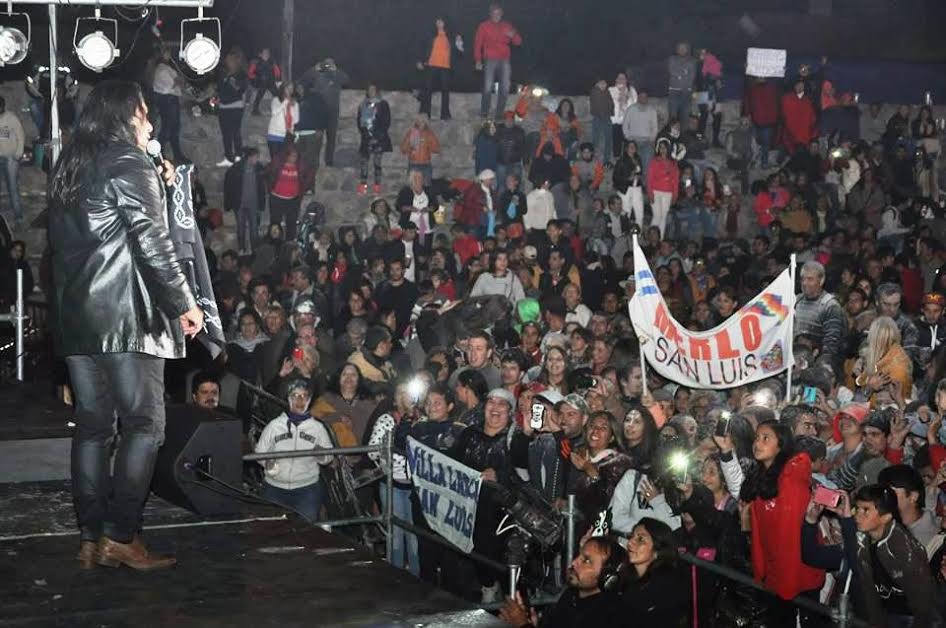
point(121, 306)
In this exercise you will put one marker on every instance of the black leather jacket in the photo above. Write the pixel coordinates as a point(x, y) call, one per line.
point(118, 285)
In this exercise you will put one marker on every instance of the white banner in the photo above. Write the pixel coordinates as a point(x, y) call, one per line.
point(755, 343)
point(448, 492)
point(766, 62)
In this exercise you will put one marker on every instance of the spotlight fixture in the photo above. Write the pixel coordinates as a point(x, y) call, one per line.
point(201, 54)
point(95, 50)
point(14, 45)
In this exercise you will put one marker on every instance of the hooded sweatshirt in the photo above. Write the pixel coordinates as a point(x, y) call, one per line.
point(285, 434)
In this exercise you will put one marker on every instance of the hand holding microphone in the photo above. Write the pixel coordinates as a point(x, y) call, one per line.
point(166, 167)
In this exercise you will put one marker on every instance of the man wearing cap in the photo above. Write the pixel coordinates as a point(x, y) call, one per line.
point(539, 450)
point(930, 326)
point(477, 209)
point(408, 249)
point(295, 482)
point(372, 358)
point(486, 449)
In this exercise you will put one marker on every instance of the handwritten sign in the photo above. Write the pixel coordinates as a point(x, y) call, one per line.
point(448, 492)
point(765, 62)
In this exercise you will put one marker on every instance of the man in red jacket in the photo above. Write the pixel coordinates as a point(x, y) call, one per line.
point(798, 119)
point(491, 46)
point(761, 105)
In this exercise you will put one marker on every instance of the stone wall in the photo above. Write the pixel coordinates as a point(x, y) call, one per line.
point(335, 186)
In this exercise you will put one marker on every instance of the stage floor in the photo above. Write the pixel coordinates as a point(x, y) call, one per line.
point(264, 571)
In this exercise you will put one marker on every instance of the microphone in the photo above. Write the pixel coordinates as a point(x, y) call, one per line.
point(154, 151)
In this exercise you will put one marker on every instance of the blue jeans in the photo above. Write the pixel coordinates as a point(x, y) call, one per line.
point(763, 136)
point(504, 170)
point(708, 221)
point(601, 138)
point(645, 148)
point(108, 499)
point(495, 70)
point(307, 500)
point(679, 105)
point(403, 542)
point(687, 222)
point(11, 169)
point(38, 114)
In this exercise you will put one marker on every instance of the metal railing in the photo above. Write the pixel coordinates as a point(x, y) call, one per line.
point(384, 520)
point(840, 615)
point(17, 317)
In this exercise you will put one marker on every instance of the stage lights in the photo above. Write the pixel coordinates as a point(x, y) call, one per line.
point(201, 54)
point(14, 44)
point(96, 50)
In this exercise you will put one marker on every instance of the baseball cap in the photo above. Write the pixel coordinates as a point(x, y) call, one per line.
point(576, 401)
point(503, 394)
point(530, 252)
point(550, 396)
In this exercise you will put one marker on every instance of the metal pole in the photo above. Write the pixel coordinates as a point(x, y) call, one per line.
point(640, 345)
point(791, 333)
point(389, 489)
point(18, 313)
point(288, 19)
point(55, 138)
point(570, 531)
point(513, 580)
point(302, 453)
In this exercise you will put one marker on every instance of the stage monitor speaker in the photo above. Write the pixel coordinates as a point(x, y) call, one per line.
point(207, 440)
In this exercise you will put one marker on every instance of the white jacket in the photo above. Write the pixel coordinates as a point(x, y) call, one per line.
point(619, 108)
point(541, 206)
point(282, 435)
point(628, 507)
point(277, 117)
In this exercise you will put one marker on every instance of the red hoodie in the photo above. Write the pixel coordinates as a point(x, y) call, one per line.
point(663, 176)
point(761, 103)
point(493, 40)
point(798, 116)
point(776, 533)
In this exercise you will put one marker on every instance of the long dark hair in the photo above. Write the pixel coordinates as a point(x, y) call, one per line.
point(665, 546)
point(763, 483)
point(335, 385)
point(106, 118)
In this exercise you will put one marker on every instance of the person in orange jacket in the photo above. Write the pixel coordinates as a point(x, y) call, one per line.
point(420, 145)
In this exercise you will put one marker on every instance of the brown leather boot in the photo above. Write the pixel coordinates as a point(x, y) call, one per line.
point(86, 555)
point(111, 553)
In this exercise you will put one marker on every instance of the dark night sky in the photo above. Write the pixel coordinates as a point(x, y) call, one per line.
point(568, 44)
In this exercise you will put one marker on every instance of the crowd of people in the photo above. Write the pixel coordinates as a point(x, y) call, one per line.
point(460, 328)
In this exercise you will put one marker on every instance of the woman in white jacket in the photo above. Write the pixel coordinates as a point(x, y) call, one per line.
point(294, 482)
point(636, 497)
point(284, 114)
